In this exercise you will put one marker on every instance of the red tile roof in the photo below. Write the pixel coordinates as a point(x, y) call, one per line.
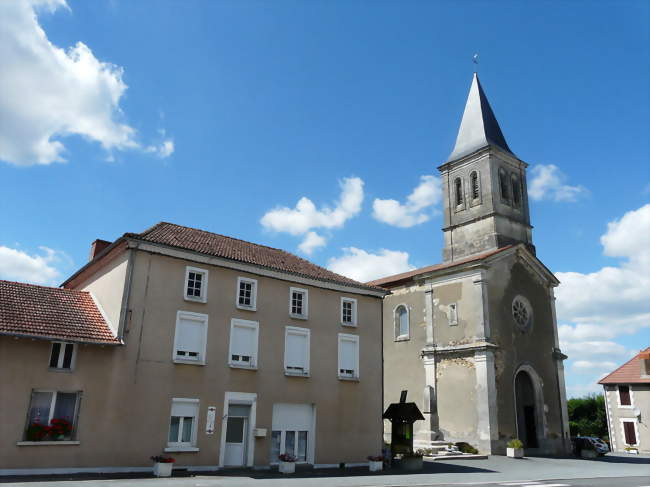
point(239, 250)
point(396, 279)
point(52, 313)
point(629, 372)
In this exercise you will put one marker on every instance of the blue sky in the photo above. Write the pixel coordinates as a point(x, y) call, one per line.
point(223, 115)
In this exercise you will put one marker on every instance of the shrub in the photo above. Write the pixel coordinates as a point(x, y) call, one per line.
point(515, 443)
point(285, 457)
point(162, 459)
point(466, 448)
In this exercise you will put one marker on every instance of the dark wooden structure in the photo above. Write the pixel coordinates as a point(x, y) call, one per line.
point(402, 415)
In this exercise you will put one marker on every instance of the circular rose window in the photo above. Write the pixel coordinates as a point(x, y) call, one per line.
point(522, 312)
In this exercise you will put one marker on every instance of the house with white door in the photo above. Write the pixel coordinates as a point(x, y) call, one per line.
point(178, 341)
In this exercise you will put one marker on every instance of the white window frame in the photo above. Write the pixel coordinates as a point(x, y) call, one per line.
point(354, 311)
point(203, 298)
point(190, 446)
point(305, 303)
point(235, 322)
point(203, 319)
point(453, 314)
point(351, 338)
point(618, 397)
point(73, 359)
point(55, 393)
point(636, 430)
point(399, 338)
point(253, 305)
point(294, 330)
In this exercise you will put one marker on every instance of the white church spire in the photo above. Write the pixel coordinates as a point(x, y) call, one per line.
point(479, 127)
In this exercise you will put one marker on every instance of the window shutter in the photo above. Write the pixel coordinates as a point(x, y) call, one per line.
point(348, 350)
point(243, 341)
point(624, 395)
point(190, 334)
point(630, 434)
point(184, 408)
point(296, 350)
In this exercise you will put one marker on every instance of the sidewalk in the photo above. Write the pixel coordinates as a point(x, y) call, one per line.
point(494, 469)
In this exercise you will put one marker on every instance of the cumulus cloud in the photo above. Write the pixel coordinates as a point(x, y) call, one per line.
point(595, 308)
point(162, 150)
point(425, 195)
point(364, 266)
point(17, 265)
point(547, 182)
point(305, 216)
point(312, 242)
point(47, 93)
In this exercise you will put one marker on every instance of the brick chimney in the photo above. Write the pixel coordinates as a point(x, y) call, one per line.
point(97, 247)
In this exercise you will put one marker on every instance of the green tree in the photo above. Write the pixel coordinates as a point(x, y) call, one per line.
point(587, 416)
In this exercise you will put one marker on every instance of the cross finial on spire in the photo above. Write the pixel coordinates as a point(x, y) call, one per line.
point(475, 58)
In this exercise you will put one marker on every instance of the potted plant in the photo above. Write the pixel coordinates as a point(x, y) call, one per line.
point(412, 461)
point(287, 463)
point(162, 466)
point(60, 429)
point(515, 448)
point(375, 463)
point(632, 450)
point(37, 432)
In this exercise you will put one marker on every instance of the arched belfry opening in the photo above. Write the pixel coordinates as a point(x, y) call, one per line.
point(528, 427)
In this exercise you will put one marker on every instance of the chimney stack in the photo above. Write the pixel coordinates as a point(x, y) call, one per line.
point(97, 247)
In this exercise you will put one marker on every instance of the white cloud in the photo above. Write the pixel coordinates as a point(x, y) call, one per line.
point(591, 366)
point(595, 308)
point(47, 93)
point(163, 150)
point(305, 216)
point(363, 266)
point(312, 242)
point(17, 265)
point(547, 183)
point(425, 195)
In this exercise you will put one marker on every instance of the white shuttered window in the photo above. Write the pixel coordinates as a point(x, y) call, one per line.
point(296, 351)
point(243, 343)
point(183, 423)
point(190, 337)
point(348, 356)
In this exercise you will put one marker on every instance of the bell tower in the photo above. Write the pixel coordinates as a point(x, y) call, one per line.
point(484, 186)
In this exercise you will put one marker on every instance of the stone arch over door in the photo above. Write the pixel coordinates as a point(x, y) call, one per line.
point(529, 407)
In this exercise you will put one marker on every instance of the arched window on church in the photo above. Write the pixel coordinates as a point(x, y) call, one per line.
point(503, 184)
point(473, 178)
point(516, 191)
point(401, 323)
point(458, 188)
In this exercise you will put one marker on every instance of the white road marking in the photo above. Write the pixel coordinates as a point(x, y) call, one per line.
point(523, 484)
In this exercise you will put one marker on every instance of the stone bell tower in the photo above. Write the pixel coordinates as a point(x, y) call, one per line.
point(484, 186)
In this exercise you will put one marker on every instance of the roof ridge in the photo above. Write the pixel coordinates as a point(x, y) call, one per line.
point(636, 355)
point(45, 287)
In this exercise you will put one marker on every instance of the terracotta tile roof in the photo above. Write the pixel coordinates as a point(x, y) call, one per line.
point(629, 372)
point(52, 313)
point(239, 250)
point(396, 279)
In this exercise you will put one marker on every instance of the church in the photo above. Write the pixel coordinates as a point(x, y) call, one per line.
point(474, 339)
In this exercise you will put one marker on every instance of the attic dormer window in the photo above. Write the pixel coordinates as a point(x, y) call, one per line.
point(503, 184)
point(458, 187)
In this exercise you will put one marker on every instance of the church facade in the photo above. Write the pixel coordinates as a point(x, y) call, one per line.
point(474, 339)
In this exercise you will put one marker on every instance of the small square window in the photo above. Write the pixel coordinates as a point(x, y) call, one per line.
point(196, 284)
point(247, 293)
point(62, 356)
point(298, 303)
point(348, 312)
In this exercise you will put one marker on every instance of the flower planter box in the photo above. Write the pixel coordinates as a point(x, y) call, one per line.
point(411, 463)
point(516, 452)
point(162, 469)
point(375, 466)
point(287, 467)
point(632, 451)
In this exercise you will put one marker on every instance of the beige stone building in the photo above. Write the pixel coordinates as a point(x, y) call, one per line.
point(213, 350)
point(627, 401)
point(474, 339)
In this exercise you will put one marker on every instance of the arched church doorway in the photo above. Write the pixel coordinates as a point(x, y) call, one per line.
point(527, 426)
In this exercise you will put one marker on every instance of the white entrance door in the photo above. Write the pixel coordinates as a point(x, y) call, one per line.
point(235, 453)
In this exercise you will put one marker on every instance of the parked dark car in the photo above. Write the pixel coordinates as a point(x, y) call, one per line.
point(583, 446)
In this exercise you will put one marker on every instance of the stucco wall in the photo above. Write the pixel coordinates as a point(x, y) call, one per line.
point(127, 391)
